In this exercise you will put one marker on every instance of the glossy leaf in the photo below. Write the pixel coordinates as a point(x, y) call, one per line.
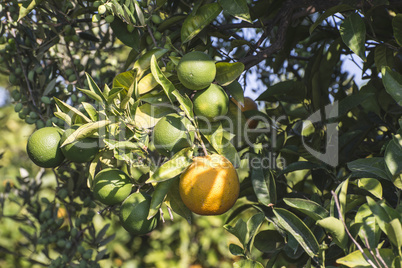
point(239, 230)
point(131, 39)
point(263, 182)
point(236, 8)
point(27, 7)
point(162, 80)
point(125, 79)
point(246, 263)
point(300, 165)
point(158, 196)
point(173, 167)
point(383, 56)
point(70, 110)
point(91, 110)
point(65, 117)
point(253, 225)
point(143, 63)
point(186, 105)
point(227, 72)
point(397, 28)
point(371, 185)
point(194, 23)
point(329, 12)
point(173, 200)
point(341, 192)
point(335, 227)
point(236, 250)
point(298, 229)
point(393, 83)
point(85, 130)
point(369, 227)
point(132, 92)
point(308, 207)
point(236, 90)
point(353, 33)
point(369, 167)
point(94, 88)
point(289, 90)
point(356, 258)
point(147, 115)
point(393, 159)
point(147, 83)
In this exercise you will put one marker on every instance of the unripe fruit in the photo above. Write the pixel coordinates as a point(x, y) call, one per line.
point(158, 35)
point(13, 79)
point(109, 18)
point(18, 107)
point(39, 70)
point(33, 115)
point(156, 19)
point(31, 75)
point(72, 78)
point(130, 28)
point(102, 9)
point(75, 38)
point(18, 71)
point(45, 100)
point(39, 124)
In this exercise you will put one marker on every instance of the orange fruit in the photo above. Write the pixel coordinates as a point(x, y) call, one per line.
point(248, 105)
point(111, 186)
point(196, 70)
point(171, 134)
point(134, 212)
point(211, 103)
point(43, 147)
point(210, 185)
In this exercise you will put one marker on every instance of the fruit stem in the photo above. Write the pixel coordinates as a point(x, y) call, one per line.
point(198, 136)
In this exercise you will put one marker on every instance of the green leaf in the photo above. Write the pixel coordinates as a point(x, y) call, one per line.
point(290, 91)
point(371, 185)
point(186, 105)
point(167, 86)
point(85, 130)
point(335, 227)
point(147, 115)
point(236, 8)
point(308, 207)
point(353, 33)
point(94, 87)
point(132, 91)
point(268, 241)
point(147, 83)
point(125, 79)
point(236, 250)
point(65, 117)
point(227, 72)
point(341, 191)
point(194, 23)
point(91, 111)
point(27, 7)
point(70, 110)
point(253, 225)
point(397, 27)
point(263, 182)
point(393, 159)
point(393, 83)
point(236, 90)
point(298, 229)
point(356, 258)
point(239, 230)
point(173, 200)
point(158, 196)
point(329, 12)
point(131, 39)
point(143, 63)
point(246, 263)
point(369, 227)
point(175, 166)
point(383, 56)
point(369, 167)
point(300, 165)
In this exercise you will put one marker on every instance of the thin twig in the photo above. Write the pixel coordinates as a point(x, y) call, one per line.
point(347, 230)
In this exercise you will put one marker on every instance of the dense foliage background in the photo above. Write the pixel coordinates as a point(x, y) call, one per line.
point(302, 213)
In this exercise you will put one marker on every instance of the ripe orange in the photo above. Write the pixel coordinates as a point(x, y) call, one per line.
point(171, 134)
point(43, 147)
point(196, 70)
point(134, 212)
point(249, 104)
point(210, 185)
point(211, 103)
point(79, 151)
point(111, 186)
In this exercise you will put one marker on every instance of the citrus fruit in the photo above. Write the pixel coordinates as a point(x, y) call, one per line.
point(210, 185)
point(248, 105)
point(211, 103)
point(43, 147)
point(134, 212)
point(196, 70)
point(171, 134)
point(111, 186)
point(80, 151)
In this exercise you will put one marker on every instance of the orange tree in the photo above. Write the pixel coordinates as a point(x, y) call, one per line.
point(318, 180)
